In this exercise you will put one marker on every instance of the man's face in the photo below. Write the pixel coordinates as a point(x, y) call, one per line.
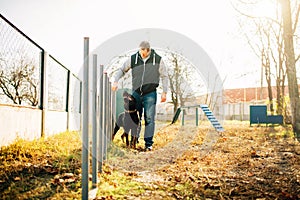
point(144, 52)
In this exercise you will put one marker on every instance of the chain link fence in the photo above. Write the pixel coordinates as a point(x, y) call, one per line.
point(30, 78)
point(20, 67)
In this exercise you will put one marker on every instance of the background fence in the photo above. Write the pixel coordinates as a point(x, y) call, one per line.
point(39, 96)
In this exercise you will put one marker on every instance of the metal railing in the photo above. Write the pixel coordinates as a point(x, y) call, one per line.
point(102, 100)
point(183, 108)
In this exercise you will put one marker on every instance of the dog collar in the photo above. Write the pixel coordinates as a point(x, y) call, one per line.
point(130, 111)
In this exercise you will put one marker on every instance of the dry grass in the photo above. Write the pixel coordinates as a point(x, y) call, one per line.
point(245, 163)
point(41, 169)
point(187, 163)
point(241, 163)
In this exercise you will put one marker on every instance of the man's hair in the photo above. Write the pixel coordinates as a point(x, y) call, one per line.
point(145, 45)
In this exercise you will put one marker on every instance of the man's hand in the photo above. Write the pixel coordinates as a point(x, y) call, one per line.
point(163, 97)
point(114, 86)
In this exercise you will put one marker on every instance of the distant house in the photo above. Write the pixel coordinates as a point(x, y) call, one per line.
point(255, 94)
point(235, 102)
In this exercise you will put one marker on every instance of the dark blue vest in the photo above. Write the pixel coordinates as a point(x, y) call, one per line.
point(145, 76)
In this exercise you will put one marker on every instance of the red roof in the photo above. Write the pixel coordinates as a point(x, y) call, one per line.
point(248, 94)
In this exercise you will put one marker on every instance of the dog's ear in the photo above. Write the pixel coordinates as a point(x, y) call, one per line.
point(125, 94)
point(131, 97)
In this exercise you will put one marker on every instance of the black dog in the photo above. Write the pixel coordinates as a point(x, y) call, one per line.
point(129, 120)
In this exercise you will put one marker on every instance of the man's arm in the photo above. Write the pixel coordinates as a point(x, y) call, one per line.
point(120, 73)
point(163, 73)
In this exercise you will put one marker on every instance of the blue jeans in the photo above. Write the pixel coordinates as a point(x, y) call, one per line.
point(147, 103)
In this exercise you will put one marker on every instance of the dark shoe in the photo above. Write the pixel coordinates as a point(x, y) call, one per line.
point(148, 148)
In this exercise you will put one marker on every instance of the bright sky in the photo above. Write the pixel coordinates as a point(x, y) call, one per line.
point(60, 25)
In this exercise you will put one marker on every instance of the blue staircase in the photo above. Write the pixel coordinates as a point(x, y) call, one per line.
point(210, 116)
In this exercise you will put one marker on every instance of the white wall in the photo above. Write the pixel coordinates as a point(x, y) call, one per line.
point(17, 121)
point(26, 122)
point(55, 122)
point(74, 121)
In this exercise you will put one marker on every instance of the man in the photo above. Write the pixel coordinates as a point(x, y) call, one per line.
point(147, 68)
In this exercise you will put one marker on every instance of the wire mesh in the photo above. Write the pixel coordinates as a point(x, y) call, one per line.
point(75, 92)
point(19, 67)
point(57, 86)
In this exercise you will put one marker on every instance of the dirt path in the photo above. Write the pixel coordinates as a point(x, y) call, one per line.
point(241, 163)
point(146, 165)
point(142, 162)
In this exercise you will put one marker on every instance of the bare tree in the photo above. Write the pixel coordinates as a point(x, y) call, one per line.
point(181, 77)
point(267, 43)
point(18, 81)
point(213, 97)
point(266, 52)
point(175, 82)
point(288, 34)
point(115, 64)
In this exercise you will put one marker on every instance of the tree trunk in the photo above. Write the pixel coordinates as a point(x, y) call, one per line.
point(290, 65)
point(270, 92)
point(279, 96)
point(265, 59)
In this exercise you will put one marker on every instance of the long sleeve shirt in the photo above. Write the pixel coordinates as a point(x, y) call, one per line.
point(163, 73)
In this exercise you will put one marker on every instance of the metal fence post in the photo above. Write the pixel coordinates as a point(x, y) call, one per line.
point(182, 119)
point(110, 113)
point(197, 116)
point(113, 110)
point(100, 103)
point(94, 123)
point(105, 109)
point(85, 121)
point(68, 100)
point(44, 90)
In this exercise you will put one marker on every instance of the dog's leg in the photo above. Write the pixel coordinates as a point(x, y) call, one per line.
point(123, 136)
point(133, 141)
point(127, 139)
point(134, 137)
point(118, 124)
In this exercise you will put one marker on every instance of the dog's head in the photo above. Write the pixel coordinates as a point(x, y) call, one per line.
point(129, 102)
